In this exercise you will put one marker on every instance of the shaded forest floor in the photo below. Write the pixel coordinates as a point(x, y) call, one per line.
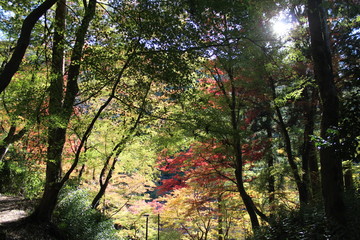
point(13, 222)
point(14, 209)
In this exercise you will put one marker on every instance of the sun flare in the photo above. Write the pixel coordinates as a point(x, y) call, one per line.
point(281, 24)
point(281, 28)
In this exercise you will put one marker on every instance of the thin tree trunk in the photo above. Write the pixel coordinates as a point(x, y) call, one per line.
point(238, 159)
point(331, 169)
point(115, 152)
point(270, 162)
point(302, 188)
point(247, 200)
point(234, 104)
point(220, 219)
point(81, 172)
point(309, 159)
point(103, 185)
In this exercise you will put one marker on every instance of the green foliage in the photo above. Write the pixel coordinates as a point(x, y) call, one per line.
point(306, 224)
point(170, 234)
point(350, 127)
point(78, 221)
point(352, 201)
point(19, 179)
point(161, 44)
point(310, 223)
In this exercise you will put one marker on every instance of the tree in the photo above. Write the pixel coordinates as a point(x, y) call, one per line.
point(23, 105)
point(202, 214)
point(331, 166)
point(222, 117)
point(231, 110)
point(117, 150)
point(64, 106)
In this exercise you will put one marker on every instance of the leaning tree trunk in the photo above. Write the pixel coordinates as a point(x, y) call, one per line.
point(249, 205)
point(23, 42)
point(116, 151)
point(104, 184)
point(301, 185)
point(331, 166)
point(61, 111)
point(233, 105)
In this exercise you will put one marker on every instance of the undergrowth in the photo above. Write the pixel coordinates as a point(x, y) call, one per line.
point(310, 223)
point(78, 221)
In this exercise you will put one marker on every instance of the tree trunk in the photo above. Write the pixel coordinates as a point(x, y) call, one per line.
point(118, 148)
point(81, 172)
point(249, 205)
point(234, 107)
point(56, 134)
point(301, 186)
point(309, 159)
point(331, 169)
point(103, 185)
point(348, 176)
point(46, 207)
point(61, 107)
point(270, 162)
point(23, 42)
point(247, 200)
point(220, 219)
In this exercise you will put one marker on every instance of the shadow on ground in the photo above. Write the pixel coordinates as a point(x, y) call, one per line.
point(14, 224)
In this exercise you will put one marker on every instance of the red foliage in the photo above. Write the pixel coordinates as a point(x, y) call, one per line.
point(204, 163)
point(211, 163)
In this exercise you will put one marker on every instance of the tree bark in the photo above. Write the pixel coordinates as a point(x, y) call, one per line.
point(309, 159)
point(56, 134)
point(331, 169)
point(233, 103)
point(23, 42)
point(81, 172)
point(61, 108)
point(249, 205)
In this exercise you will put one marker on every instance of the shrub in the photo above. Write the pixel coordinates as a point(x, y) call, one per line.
point(19, 179)
point(295, 225)
point(170, 234)
point(77, 221)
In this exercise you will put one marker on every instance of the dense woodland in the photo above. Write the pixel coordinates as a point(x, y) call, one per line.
point(188, 119)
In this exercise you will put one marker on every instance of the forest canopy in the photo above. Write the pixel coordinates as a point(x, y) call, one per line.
point(153, 119)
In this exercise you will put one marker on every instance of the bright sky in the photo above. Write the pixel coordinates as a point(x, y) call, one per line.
point(282, 24)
